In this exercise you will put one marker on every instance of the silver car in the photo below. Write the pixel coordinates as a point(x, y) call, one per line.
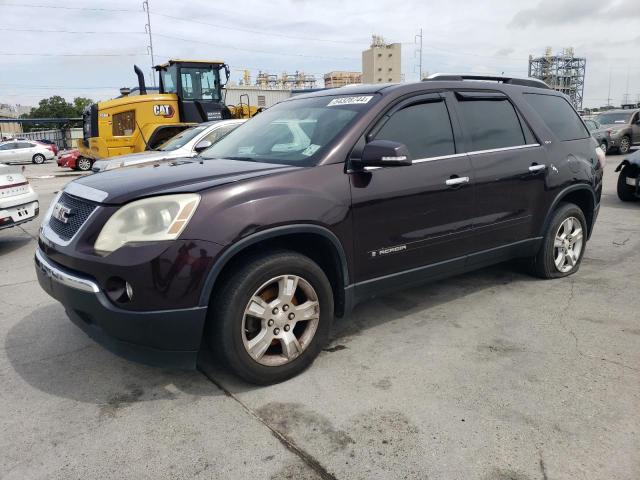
point(187, 143)
point(23, 151)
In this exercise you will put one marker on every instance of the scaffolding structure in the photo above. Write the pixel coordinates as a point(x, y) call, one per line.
point(563, 72)
point(285, 81)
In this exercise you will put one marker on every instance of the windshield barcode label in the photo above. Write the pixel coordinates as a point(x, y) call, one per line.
point(350, 100)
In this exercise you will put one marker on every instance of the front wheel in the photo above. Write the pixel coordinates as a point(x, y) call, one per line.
point(626, 192)
point(625, 145)
point(271, 317)
point(84, 164)
point(563, 244)
point(38, 159)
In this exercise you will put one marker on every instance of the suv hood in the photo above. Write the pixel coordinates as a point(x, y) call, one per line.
point(179, 176)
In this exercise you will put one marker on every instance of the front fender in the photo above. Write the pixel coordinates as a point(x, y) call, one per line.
point(633, 159)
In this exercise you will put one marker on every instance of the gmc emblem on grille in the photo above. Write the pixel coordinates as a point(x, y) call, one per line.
point(61, 213)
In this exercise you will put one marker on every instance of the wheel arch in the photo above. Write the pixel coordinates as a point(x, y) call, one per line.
point(314, 241)
point(628, 161)
point(581, 195)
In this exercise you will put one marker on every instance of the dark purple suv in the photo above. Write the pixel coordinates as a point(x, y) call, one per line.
point(326, 199)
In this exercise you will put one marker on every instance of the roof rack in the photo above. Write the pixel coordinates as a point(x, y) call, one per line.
point(523, 82)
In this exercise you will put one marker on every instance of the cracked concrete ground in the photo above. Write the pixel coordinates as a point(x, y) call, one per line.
point(493, 375)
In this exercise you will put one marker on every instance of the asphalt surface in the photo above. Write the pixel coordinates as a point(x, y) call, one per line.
point(493, 375)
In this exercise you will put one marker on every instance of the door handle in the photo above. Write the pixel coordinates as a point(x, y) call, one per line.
point(537, 168)
point(456, 181)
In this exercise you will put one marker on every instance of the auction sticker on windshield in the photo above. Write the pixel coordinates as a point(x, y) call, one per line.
point(350, 100)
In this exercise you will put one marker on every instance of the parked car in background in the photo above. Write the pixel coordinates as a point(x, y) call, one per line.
point(629, 178)
point(22, 151)
point(321, 202)
point(601, 134)
point(74, 160)
point(624, 128)
point(49, 143)
point(187, 143)
point(18, 200)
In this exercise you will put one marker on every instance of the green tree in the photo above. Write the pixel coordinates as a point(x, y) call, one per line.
point(57, 107)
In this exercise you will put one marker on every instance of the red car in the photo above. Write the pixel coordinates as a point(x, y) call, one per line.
point(72, 159)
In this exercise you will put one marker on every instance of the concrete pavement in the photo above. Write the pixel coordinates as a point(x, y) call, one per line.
point(493, 375)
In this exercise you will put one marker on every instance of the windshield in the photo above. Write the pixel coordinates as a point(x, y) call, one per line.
point(295, 132)
point(613, 118)
point(182, 138)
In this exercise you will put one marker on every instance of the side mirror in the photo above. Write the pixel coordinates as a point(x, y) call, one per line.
point(202, 145)
point(384, 153)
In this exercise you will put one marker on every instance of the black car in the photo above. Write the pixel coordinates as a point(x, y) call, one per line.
point(315, 205)
point(629, 178)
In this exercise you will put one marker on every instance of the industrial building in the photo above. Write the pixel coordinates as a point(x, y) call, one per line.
point(563, 72)
point(255, 95)
point(381, 63)
point(285, 80)
point(340, 79)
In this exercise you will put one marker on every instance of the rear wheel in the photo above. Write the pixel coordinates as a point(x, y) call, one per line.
point(563, 244)
point(84, 164)
point(271, 317)
point(625, 145)
point(38, 159)
point(626, 191)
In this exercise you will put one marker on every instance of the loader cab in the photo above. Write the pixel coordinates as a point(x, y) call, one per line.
point(198, 86)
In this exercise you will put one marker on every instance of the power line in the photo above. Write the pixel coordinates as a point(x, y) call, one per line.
point(75, 32)
point(250, 49)
point(18, 54)
point(248, 30)
point(60, 7)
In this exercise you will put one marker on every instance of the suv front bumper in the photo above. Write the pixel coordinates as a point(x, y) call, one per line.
point(168, 338)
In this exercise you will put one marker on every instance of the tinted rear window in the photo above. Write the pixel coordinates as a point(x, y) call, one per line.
point(559, 116)
point(491, 124)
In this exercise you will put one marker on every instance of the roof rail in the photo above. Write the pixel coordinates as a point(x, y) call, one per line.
point(524, 82)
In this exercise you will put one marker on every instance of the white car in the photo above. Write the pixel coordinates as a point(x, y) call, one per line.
point(22, 151)
point(187, 143)
point(18, 201)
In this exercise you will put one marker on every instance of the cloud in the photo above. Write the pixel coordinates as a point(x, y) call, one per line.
point(552, 12)
point(504, 52)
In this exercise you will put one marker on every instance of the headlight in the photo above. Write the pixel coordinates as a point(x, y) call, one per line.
point(148, 220)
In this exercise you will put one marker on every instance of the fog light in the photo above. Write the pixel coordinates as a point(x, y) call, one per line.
point(119, 290)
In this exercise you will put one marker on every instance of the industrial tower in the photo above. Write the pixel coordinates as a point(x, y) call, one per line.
point(564, 73)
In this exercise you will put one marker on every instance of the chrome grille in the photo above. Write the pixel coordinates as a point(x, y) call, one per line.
point(78, 214)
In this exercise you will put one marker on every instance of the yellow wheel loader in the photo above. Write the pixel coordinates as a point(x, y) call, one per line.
point(190, 92)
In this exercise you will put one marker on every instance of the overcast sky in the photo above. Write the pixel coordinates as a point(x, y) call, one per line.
point(88, 48)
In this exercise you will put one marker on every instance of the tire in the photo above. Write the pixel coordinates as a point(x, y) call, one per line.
point(231, 331)
point(604, 147)
point(38, 159)
point(544, 265)
point(83, 164)
point(625, 145)
point(626, 192)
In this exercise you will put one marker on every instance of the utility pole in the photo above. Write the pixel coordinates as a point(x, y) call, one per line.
point(147, 29)
point(419, 52)
point(609, 95)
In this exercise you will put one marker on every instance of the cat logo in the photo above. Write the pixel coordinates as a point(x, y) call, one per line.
point(165, 111)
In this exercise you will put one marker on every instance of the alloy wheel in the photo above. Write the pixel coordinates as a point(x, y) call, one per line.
point(625, 145)
point(84, 164)
point(280, 320)
point(568, 244)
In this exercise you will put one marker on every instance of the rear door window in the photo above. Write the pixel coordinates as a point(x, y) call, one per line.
point(424, 128)
point(490, 123)
point(559, 116)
